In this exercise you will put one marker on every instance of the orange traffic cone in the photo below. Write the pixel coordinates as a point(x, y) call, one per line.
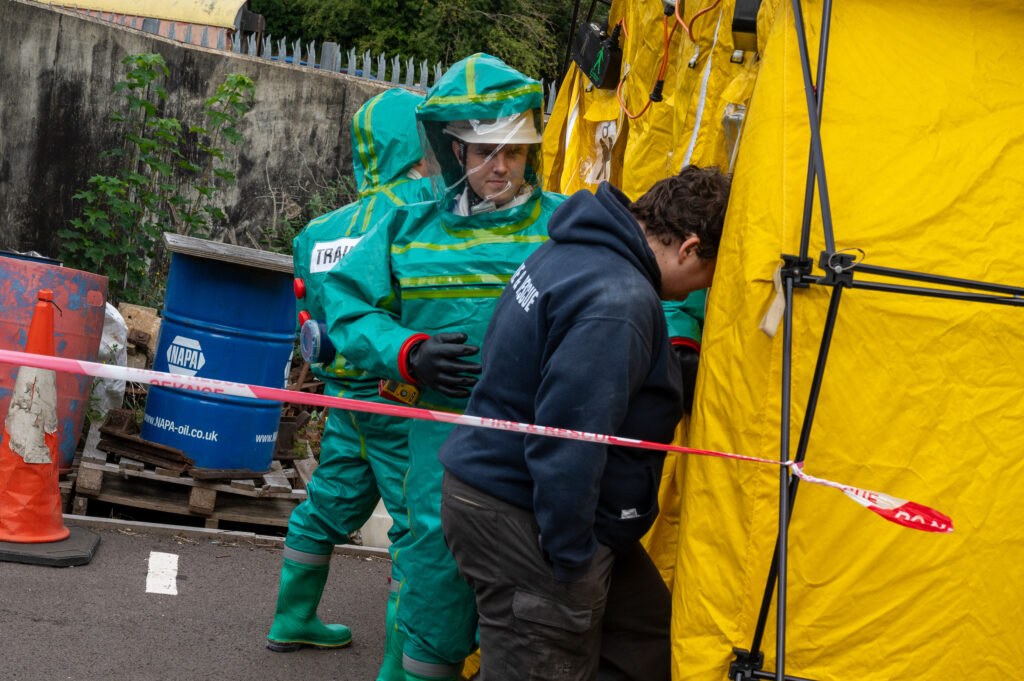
point(30, 506)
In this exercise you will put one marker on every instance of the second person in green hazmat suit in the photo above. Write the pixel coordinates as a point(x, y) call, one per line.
point(685, 325)
point(421, 318)
point(363, 457)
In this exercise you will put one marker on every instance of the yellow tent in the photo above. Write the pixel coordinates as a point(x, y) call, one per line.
point(591, 136)
point(922, 138)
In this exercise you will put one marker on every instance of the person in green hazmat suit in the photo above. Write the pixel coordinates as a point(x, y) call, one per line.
point(685, 325)
point(422, 317)
point(363, 457)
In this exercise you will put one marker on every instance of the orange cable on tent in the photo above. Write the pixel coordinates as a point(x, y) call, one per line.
point(693, 19)
point(655, 95)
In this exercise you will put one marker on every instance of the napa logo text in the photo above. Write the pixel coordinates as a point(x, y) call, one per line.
point(185, 356)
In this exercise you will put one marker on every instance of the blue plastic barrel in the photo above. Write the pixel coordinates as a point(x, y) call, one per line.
point(226, 320)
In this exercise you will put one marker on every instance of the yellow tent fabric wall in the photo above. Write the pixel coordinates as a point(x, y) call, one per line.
point(923, 137)
point(589, 139)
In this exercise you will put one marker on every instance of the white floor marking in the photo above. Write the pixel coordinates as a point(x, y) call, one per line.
point(163, 573)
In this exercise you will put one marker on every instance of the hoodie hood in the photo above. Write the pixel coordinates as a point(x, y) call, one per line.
point(603, 218)
point(385, 141)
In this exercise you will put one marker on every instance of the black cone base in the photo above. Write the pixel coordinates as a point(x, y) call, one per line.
point(77, 549)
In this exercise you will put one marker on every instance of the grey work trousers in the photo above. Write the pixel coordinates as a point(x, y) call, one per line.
point(612, 624)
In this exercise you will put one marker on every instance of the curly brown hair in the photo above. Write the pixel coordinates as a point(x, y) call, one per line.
point(690, 203)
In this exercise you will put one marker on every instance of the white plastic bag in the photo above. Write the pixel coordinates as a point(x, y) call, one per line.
point(108, 393)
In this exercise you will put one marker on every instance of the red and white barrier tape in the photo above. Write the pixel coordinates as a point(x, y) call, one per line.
point(899, 511)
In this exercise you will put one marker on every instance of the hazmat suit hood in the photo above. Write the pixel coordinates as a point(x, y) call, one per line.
point(479, 91)
point(384, 144)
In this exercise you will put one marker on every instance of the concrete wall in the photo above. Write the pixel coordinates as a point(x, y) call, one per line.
point(57, 70)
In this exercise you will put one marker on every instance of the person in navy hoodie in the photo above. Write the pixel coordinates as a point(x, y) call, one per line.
point(547, 530)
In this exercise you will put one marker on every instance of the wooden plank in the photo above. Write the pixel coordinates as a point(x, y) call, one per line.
point(275, 481)
point(136, 443)
point(303, 372)
point(273, 512)
point(286, 429)
point(305, 467)
point(139, 454)
point(225, 473)
point(239, 255)
point(130, 464)
point(246, 485)
point(144, 494)
point(90, 452)
point(119, 421)
point(89, 480)
point(185, 481)
point(202, 500)
point(65, 494)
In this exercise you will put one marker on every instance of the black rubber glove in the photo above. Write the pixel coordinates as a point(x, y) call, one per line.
point(689, 359)
point(434, 363)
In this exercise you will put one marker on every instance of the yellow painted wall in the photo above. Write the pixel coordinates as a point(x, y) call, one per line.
point(202, 12)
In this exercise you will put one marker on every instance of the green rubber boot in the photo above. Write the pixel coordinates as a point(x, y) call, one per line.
point(295, 621)
point(394, 641)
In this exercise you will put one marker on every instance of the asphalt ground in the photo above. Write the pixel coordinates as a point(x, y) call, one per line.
point(98, 622)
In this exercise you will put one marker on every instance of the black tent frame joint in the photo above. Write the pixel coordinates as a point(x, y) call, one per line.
point(838, 268)
point(798, 270)
point(747, 667)
point(745, 664)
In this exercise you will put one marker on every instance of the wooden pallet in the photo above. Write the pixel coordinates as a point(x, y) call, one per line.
point(266, 501)
point(154, 496)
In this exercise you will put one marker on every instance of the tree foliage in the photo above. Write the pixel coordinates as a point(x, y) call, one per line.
point(530, 35)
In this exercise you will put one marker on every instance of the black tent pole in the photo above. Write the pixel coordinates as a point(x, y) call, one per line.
point(817, 155)
point(938, 279)
point(819, 87)
point(827, 334)
point(782, 544)
point(569, 43)
point(939, 293)
point(788, 498)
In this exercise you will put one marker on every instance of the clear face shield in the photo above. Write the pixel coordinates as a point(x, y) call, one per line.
point(483, 165)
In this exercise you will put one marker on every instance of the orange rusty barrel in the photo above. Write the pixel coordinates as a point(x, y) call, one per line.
point(78, 327)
